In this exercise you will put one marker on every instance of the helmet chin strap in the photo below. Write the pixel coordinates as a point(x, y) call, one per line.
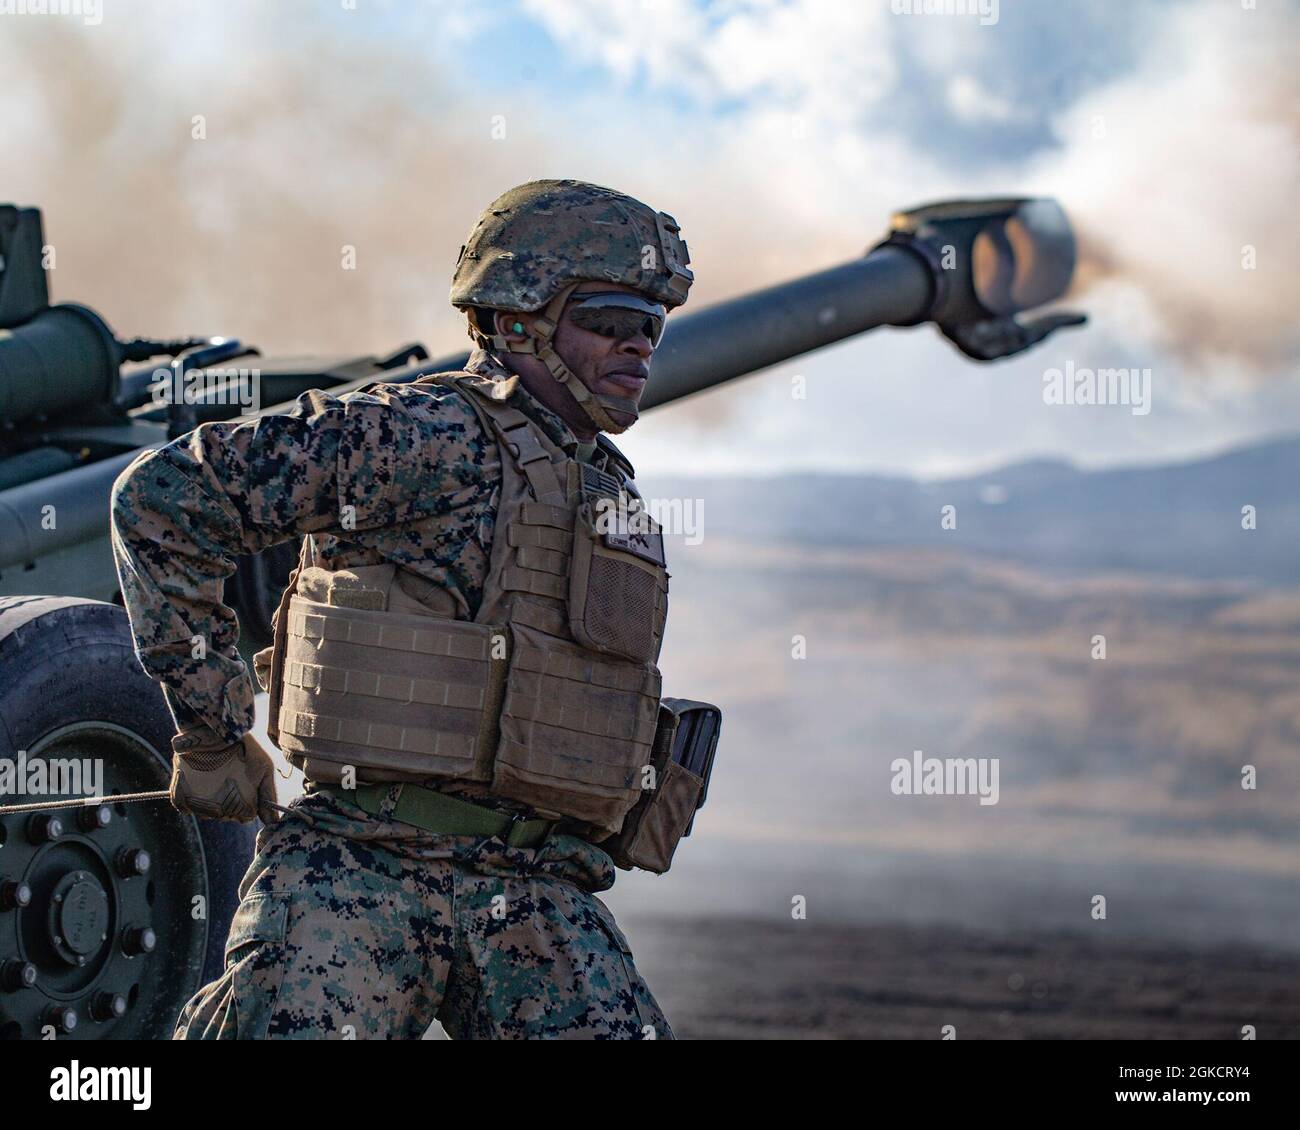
point(539, 344)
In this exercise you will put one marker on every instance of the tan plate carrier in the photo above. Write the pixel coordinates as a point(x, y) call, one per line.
point(550, 694)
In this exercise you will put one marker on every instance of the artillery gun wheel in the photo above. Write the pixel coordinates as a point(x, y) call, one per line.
point(102, 934)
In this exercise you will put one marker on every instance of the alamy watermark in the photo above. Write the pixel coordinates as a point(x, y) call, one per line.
point(629, 515)
point(947, 776)
point(76, 1083)
point(1075, 386)
point(986, 10)
point(51, 776)
point(91, 12)
point(225, 385)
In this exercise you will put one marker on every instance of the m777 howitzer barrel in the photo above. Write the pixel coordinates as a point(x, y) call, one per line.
point(891, 286)
point(969, 266)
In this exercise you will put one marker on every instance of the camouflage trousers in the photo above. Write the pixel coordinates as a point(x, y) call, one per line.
point(358, 927)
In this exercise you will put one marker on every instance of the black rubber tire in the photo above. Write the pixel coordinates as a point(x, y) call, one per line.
point(66, 661)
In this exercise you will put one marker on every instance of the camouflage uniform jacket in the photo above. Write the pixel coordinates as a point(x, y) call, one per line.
point(402, 473)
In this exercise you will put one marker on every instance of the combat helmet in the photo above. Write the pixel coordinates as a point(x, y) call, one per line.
point(538, 241)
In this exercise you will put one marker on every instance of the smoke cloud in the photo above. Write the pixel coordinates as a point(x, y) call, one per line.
point(219, 170)
point(1181, 183)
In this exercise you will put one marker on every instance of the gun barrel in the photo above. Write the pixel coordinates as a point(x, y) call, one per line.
point(890, 286)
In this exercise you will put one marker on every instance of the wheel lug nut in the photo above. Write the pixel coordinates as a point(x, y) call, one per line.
point(138, 940)
point(95, 819)
point(62, 1017)
point(133, 862)
point(108, 1006)
point(44, 827)
point(16, 974)
point(15, 895)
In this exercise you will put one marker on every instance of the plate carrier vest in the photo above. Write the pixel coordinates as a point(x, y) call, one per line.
point(550, 695)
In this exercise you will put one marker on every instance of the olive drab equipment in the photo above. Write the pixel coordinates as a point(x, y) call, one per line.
point(538, 241)
point(550, 695)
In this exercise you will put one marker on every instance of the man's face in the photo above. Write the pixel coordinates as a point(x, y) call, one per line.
point(604, 365)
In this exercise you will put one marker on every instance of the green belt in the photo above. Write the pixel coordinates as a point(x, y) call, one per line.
point(445, 815)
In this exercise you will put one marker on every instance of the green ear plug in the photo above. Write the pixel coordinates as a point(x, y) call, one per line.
point(519, 327)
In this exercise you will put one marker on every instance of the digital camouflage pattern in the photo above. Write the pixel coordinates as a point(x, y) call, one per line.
point(399, 473)
point(352, 926)
point(537, 238)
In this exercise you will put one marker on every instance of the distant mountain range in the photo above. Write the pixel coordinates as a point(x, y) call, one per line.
point(1183, 519)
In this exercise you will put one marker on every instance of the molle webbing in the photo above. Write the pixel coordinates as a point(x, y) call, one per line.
point(570, 718)
point(539, 545)
point(417, 693)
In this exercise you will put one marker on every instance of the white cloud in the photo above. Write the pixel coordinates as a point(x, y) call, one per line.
point(779, 54)
point(971, 101)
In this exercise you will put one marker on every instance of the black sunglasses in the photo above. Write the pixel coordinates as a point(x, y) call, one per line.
point(618, 314)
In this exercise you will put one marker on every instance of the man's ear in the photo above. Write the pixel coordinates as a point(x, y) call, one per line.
point(512, 325)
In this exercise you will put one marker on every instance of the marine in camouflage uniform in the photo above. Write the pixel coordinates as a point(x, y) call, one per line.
point(353, 923)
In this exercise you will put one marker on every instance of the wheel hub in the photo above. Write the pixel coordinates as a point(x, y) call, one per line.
point(78, 918)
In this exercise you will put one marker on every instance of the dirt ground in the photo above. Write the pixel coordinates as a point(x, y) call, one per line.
point(739, 979)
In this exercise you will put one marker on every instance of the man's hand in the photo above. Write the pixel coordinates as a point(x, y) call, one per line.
point(220, 779)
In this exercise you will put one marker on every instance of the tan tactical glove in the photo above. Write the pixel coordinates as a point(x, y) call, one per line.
point(220, 779)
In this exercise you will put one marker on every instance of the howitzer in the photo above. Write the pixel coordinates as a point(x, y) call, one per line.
point(98, 930)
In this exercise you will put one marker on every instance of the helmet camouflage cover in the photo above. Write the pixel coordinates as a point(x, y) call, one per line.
point(535, 243)
point(539, 237)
